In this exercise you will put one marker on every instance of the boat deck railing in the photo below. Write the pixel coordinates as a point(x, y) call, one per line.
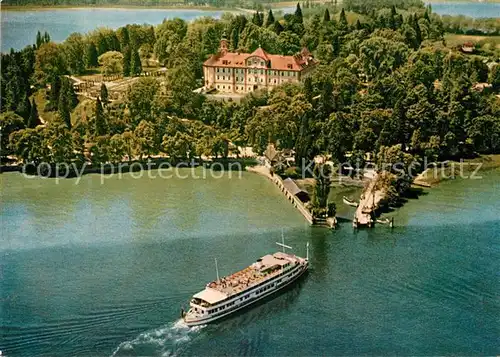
point(242, 280)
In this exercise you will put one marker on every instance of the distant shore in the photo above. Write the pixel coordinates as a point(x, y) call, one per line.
point(33, 7)
point(463, 1)
point(129, 7)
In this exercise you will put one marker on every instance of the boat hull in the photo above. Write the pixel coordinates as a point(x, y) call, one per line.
point(209, 319)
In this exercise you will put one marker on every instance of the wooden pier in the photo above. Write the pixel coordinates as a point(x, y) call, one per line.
point(263, 170)
point(368, 203)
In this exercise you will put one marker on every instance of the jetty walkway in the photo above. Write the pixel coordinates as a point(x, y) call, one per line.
point(368, 203)
point(264, 170)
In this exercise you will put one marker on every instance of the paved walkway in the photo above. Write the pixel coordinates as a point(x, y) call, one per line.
point(368, 203)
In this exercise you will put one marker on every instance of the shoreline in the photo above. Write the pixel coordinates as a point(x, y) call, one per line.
point(34, 7)
point(115, 7)
point(453, 169)
point(461, 1)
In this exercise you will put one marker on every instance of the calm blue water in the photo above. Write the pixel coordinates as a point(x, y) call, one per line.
point(471, 9)
point(19, 28)
point(100, 270)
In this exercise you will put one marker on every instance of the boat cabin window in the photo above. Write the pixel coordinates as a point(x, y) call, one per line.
point(200, 302)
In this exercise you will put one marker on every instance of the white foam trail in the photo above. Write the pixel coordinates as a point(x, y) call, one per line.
point(164, 341)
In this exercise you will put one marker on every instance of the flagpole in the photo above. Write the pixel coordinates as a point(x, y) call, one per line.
point(216, 269)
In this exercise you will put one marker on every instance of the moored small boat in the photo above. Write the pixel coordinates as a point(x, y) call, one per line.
point(349, 202)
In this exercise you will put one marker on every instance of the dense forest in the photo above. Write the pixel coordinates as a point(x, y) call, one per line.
point(386, 85)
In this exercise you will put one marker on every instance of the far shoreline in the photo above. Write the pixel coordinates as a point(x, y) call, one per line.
point(32, 7)
point(125, 7)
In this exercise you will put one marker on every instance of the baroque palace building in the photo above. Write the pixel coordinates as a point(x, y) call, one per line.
point(235, 72)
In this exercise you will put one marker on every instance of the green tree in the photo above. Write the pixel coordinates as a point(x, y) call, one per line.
point(145, 52)
point(64, 105)
point(58, 138)
point(235, 35)
point(129, 143)
point(179, 146)
point(104, 94)
point(380, 56)
point(100, 150)
point(9, 123)
point(111, 62)
point(24, 108)
point(127, 58)
point(181, 82)
point(39, 40)
point(55, 90)
point(49, 62)
point(145, 134)
point(100, 120)
point(123, 36)
point(28, 145)
point(135, 63)
point(277, 27)
point(326, 16)
point(270, 18)
point(322, 174)
point(169, 34)
point(91, 56)
point(298, 18)
point(288, 43)
point(116, 148)
point(495, 77)
point(141, 98)
point(343, 24)
point(74, 53)
point(34, 118)
point(257, 19)
point(484, 131)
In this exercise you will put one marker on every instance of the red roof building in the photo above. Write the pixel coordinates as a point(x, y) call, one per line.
point(468, 47)
point(235, 72)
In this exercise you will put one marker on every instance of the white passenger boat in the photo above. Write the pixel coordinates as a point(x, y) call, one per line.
point(229, 294)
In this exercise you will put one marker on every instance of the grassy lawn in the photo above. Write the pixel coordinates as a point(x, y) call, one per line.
point(40, 101)
point(453, 40)
point(493, 1)
point(435, 176)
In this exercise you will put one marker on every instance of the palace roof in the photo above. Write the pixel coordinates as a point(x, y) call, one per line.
point(277, 62)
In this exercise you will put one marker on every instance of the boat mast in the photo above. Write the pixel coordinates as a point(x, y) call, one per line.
point(282, 244)
point(283, 240)
point(216, 269)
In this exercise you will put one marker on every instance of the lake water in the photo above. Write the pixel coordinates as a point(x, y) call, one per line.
point(100, 270)
point(471, 9)
point(19, 28)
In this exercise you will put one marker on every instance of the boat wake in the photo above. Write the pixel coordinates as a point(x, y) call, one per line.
point(164, 341)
